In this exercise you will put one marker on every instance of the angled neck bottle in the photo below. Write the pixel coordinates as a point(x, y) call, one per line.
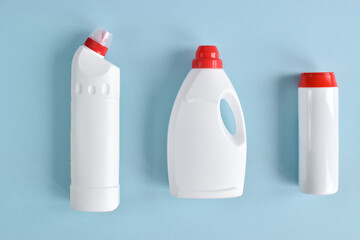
point(95, 91)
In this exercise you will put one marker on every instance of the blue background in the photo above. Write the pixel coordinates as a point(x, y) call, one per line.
point(264, 45)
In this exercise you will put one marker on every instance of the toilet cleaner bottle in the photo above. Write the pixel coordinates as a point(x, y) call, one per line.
point(95, 91)
point(204, 159)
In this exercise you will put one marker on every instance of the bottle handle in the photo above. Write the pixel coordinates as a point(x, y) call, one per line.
point(240, 134)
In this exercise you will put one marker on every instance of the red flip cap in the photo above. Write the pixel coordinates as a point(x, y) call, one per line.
point(317, 79)
point(95, 46)
point(207, 57)
point(99, 41)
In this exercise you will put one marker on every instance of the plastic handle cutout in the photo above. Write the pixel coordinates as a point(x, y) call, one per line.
point(227, 116)
point(239, 137)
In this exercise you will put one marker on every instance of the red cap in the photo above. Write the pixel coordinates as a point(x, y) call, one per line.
point(317, 79)
point(99, 41)
point(207, 57)
point(95, 46)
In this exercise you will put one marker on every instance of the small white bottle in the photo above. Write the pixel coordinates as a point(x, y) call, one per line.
point(318, 133)
point(204, 159)
point(95, 91)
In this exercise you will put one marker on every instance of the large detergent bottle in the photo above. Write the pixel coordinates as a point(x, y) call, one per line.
point(95, 91)
point(204, 159)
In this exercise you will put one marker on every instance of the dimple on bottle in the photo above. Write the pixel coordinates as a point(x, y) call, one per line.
point(95, 92)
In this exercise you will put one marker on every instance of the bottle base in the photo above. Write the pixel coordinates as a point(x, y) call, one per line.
point(232, 192)
point(94, 199)
point(319, 192)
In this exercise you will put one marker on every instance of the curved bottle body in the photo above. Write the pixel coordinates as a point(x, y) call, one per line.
point(204, 159)
point(95, 92)
point(318, 140)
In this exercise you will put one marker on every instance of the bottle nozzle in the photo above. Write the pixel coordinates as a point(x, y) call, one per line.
point(99, 41)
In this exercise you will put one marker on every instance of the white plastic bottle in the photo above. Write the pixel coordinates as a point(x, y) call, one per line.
point(204, 159)
point(318, 133)
point(95, 91)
